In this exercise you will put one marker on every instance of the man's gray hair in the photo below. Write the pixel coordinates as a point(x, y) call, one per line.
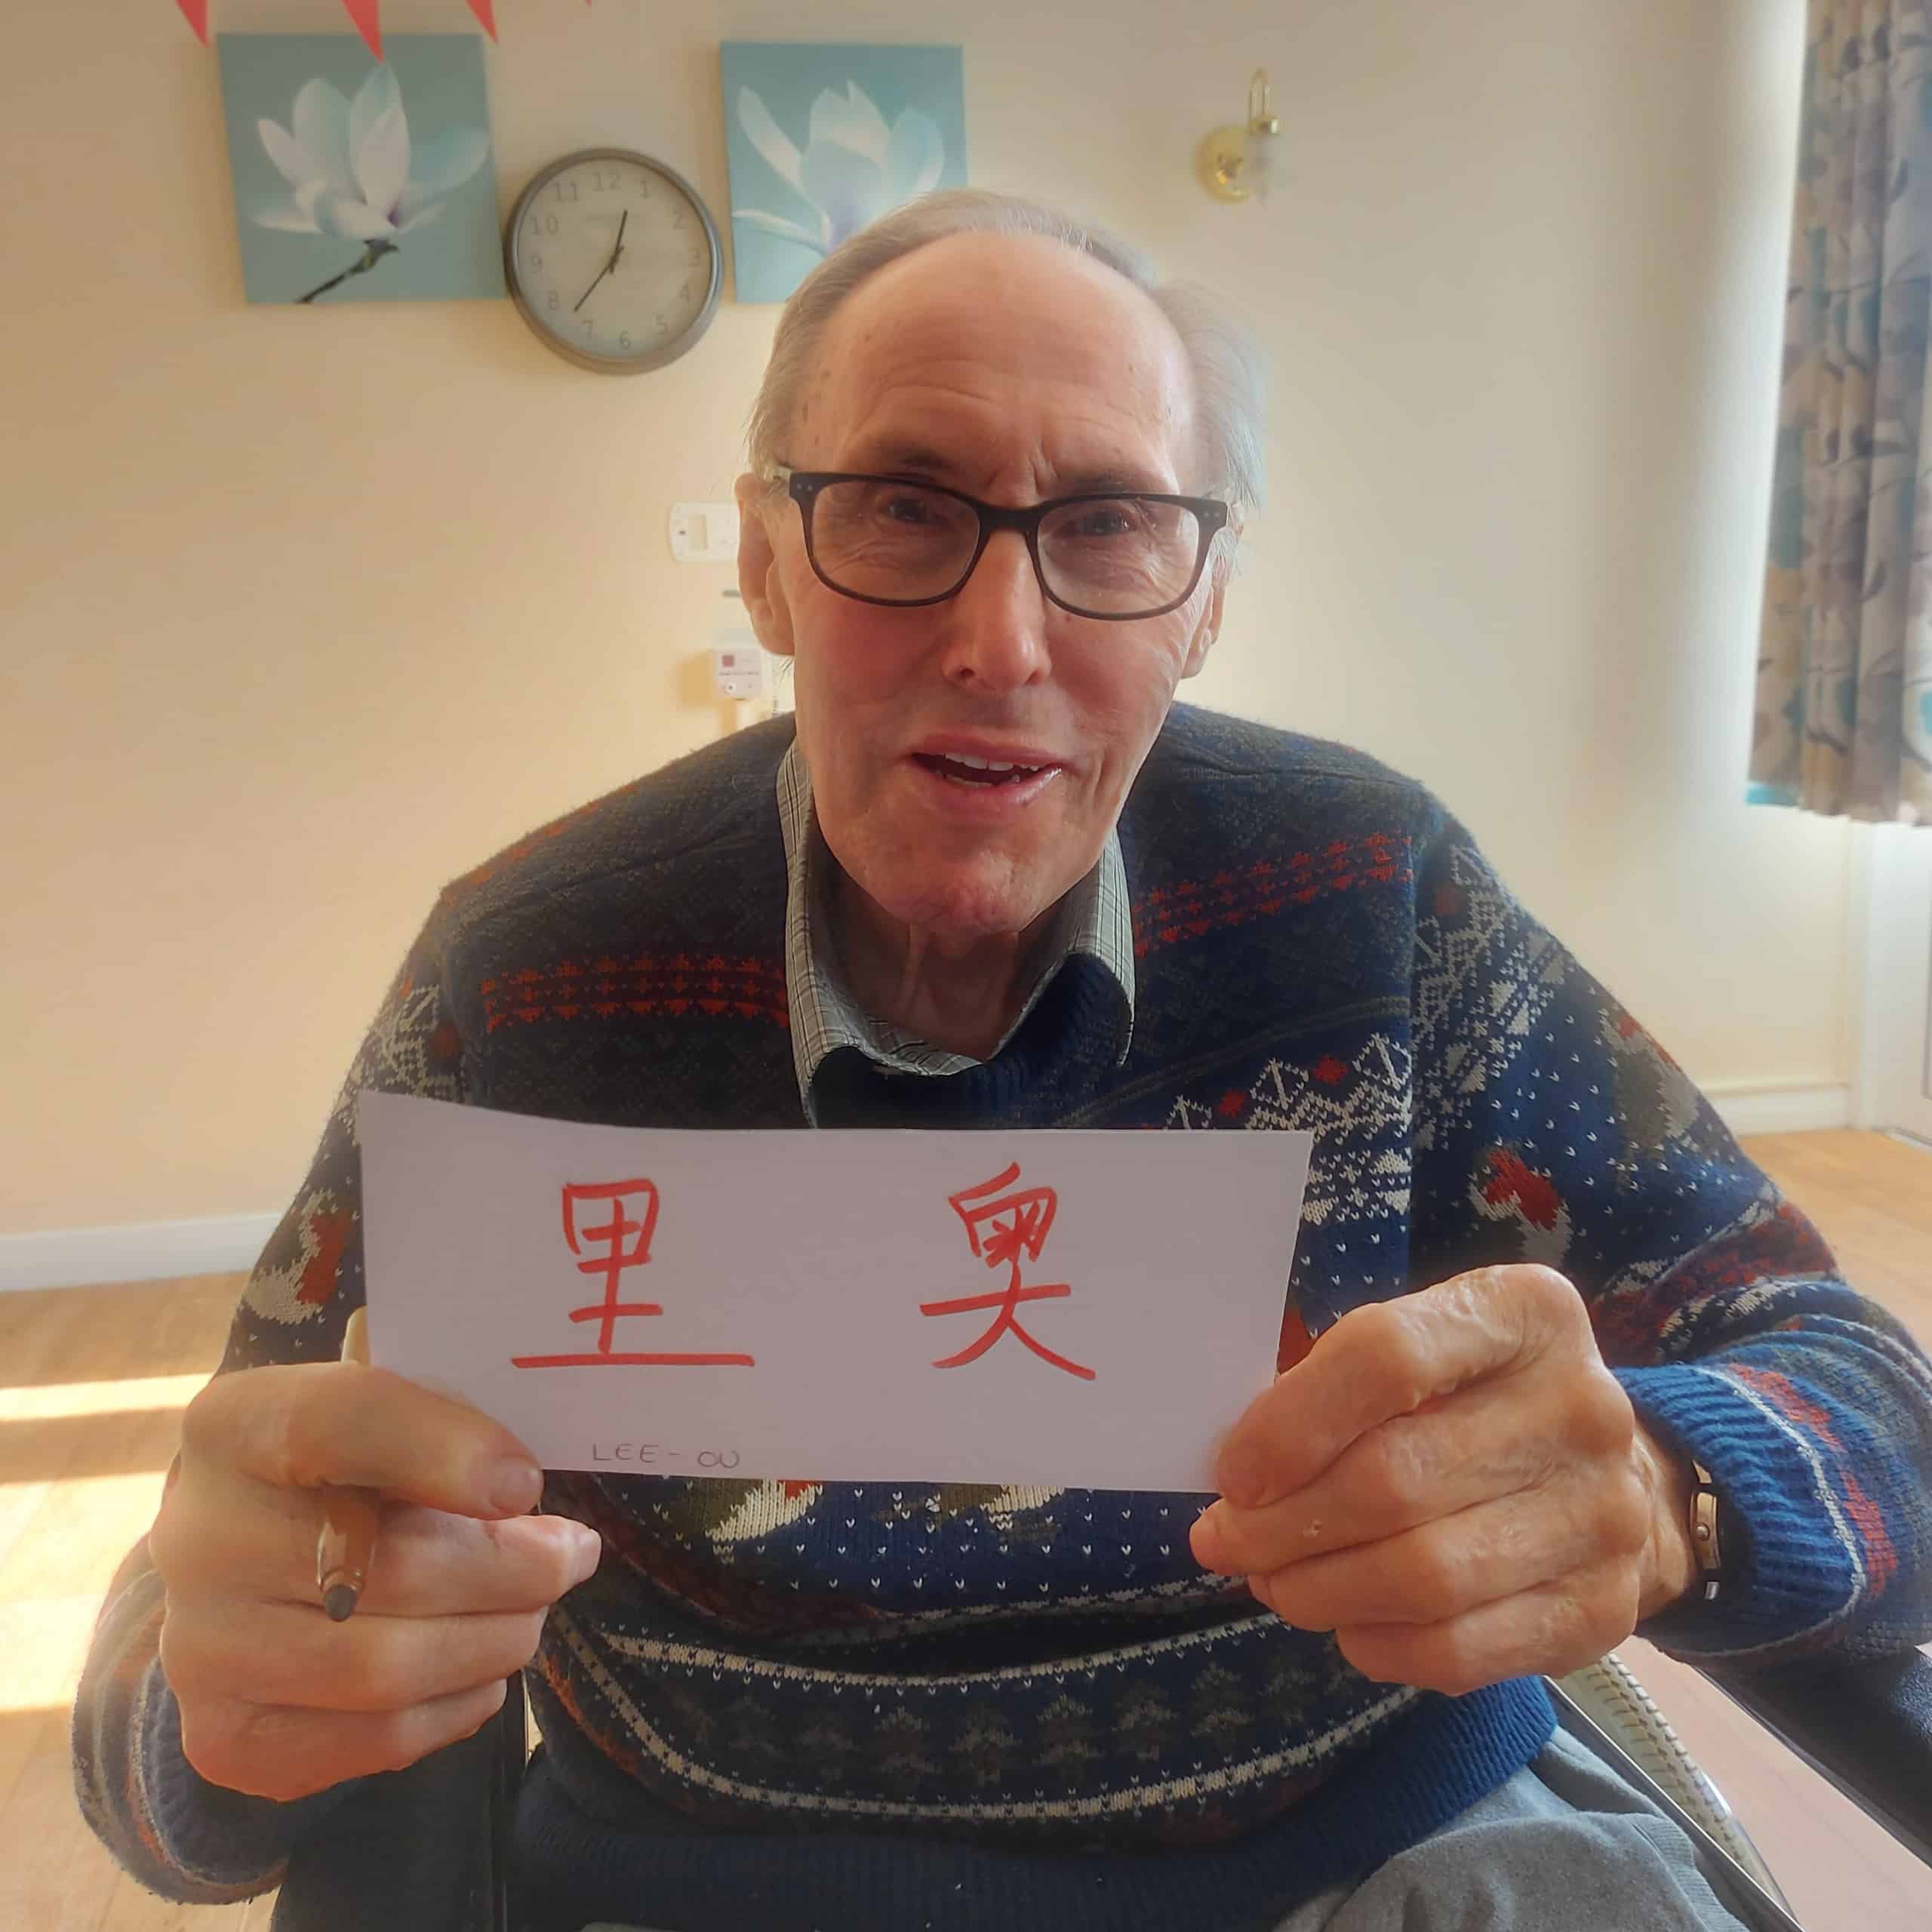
point(1227, 368)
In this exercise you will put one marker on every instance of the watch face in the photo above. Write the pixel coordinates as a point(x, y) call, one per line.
point(614, 261)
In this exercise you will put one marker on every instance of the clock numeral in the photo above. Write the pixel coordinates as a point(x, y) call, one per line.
point(662, 326)
point(695, 256)
point(559, 188)
point(536, 261)
point(644, 188)
point(685, 290)
point(554, 302)
point(603, 183)
point(677, 218)
point(624, 339)
point(589, 327)
point(549, 224)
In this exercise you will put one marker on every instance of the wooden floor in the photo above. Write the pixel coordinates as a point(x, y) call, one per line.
point(90, 1392)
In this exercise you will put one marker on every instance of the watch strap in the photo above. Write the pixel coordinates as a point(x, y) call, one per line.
point(1706, 1539)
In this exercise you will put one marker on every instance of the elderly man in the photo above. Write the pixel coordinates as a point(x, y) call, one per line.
point(995, 876)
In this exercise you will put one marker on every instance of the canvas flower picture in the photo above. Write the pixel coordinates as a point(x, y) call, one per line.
point(824, 139)
point(360, 180)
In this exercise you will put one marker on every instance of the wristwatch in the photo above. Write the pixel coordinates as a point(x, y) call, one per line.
point(1706, 1541)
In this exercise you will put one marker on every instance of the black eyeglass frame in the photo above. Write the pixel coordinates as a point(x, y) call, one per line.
point(803, 486)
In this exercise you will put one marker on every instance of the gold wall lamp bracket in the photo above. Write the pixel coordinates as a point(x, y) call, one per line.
point(1236, 163)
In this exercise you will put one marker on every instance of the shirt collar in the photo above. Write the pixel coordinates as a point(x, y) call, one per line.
point(1094, 918)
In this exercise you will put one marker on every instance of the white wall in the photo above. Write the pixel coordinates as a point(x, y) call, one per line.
point(302, 611)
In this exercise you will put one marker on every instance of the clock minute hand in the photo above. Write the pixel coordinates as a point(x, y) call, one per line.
point(616, 251)
point(585, 296)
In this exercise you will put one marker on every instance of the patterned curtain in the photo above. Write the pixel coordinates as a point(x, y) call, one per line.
point(1843, 722)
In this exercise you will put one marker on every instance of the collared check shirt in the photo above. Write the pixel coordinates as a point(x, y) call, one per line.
point(1092, 918)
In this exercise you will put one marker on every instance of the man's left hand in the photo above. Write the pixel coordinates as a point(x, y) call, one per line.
point(1455, 1485)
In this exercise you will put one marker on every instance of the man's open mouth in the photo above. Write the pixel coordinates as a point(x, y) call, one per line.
point(976, 770)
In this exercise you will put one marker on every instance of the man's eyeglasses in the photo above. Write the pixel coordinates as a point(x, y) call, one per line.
point(882, 539)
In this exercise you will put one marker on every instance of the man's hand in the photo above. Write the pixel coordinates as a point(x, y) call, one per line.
point(1455, 1485)
point(276, 1699)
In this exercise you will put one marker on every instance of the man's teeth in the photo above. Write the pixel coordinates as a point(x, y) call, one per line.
point(985, 764)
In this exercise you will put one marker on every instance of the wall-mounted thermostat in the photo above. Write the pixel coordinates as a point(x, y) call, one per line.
point(704, 532)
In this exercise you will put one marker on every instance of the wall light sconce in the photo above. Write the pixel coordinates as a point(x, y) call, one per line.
point(1235, 162)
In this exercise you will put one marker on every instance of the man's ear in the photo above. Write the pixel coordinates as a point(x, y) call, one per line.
point(758, 581)
point(1208, 627)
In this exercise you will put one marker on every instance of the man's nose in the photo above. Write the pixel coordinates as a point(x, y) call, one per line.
point(995, 634)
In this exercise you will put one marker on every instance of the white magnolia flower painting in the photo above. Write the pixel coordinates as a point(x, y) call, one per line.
point(359, 179)
point(822, 139)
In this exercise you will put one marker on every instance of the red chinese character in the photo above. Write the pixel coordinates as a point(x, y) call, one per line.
point(613, 1235)
point(1002, 1245)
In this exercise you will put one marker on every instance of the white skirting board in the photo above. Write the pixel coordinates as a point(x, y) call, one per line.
point(1807, 1108)
point(133, 1251)
point(153, 1250)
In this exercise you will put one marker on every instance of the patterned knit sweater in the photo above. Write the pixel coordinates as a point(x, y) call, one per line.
point(852, 1705)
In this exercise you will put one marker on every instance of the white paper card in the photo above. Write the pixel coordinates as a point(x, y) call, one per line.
point(1088, 1310)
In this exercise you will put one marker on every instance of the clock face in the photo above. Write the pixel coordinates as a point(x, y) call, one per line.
point(614, 260)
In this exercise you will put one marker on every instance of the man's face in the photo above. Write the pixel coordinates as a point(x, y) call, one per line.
point(1014, 370)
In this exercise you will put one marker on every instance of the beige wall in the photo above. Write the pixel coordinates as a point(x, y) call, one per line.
point(302, 612)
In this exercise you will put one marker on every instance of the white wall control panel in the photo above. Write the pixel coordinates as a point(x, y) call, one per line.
point(738, 669)
point(704, 532)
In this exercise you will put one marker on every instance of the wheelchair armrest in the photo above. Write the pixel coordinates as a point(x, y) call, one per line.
point(422, 1847)
point(1863, 1724)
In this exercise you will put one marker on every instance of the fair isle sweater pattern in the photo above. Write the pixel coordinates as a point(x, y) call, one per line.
point(1318, 945)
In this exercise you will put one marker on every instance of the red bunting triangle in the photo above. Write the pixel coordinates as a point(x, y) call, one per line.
point(367, 15)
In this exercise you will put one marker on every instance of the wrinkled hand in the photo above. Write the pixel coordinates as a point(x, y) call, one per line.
point(1456, 1485)
point(277, 1700)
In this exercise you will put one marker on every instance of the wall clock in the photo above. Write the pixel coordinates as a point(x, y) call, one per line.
point(613, 260)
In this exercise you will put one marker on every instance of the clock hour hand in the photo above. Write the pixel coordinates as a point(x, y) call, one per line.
point(615, 252)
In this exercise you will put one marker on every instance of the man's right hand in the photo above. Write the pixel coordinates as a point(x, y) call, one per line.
point(277, 1700)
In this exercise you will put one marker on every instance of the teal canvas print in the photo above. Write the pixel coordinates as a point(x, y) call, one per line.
point(824, 138)
point(358, 179)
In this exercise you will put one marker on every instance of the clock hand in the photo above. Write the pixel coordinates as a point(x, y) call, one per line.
point(608, 266)
point(585, 296)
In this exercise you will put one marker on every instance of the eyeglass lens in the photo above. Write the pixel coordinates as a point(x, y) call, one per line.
point(1120, 555)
